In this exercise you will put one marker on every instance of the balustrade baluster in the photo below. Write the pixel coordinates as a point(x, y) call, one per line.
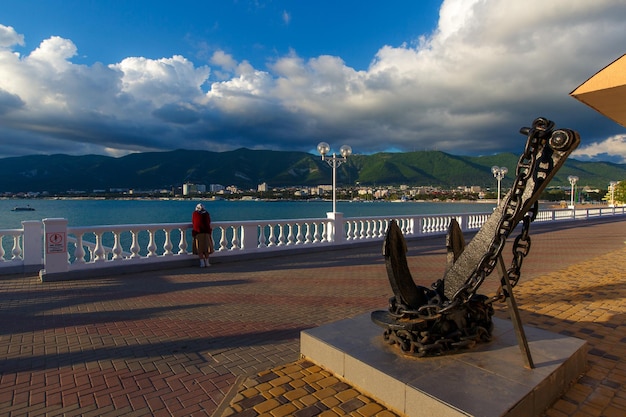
point(235, 242)
point(182, 244)
point(325, 237)
point(299, 236)
point(167, 246)
point(99, 254)
point(281, 236)
point(151, 244)
point(117, 247)
point(317, 236)
point(262, 238)
point(223, 240)
point(272, 235)
point(290, 236)
point(79, 252)
point(17, 251)
point(134, 248)
point(349, 235)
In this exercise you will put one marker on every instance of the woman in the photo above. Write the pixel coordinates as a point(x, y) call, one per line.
point(201, 232)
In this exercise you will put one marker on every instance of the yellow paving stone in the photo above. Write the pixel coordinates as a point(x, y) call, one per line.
point(265, 386)
point(619, 402)
point(295, 394)
point(555, 413)
point(280, 381)
point(313, 378)
point(294, 368)
point(298, 383)
point(369, 410)
point(309, 400)
point(266, 406)
point(314, 369)
point(283, 410)
point(330, 413)
point(327, 382)
point(565, 407)
point(614, 412)
point(331, 402)
point(323, 393)
point(277, 391)
point(250, 392)
point(347, 394)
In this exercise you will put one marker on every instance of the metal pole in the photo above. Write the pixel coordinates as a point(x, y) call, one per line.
point(334, 183)
point(499, 180)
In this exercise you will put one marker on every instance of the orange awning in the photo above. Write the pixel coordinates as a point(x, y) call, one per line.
point(605, 92)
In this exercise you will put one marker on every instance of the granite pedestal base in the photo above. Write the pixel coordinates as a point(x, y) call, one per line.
point(487, 380)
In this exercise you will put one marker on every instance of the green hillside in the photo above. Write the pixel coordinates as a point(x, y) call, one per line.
point(247, 168)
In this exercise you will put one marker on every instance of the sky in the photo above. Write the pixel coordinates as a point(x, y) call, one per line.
point(115, 77)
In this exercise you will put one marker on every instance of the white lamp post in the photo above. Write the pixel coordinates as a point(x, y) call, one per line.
point(323, 148)
point(573, 179)
point(499, 173)
point(612, 185)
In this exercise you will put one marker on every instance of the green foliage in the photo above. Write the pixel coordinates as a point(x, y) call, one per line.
point(247, 168)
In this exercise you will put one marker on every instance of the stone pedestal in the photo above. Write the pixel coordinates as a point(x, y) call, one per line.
point(488, 380)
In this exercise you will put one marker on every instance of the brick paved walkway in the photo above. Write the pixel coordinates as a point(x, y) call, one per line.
point(178, 342)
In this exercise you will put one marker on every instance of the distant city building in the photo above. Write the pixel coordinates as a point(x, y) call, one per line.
point(215, 188)
point(263, 188)
point(189, 188)
point(233, 189)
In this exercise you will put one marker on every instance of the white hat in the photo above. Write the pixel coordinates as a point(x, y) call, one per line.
point(199, 207)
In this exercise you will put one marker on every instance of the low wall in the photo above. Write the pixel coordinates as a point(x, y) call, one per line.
point(59, 252)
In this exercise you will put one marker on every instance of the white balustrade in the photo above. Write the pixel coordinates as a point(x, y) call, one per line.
point(90, 247)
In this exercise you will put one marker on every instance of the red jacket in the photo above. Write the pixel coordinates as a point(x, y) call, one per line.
point(201, 221)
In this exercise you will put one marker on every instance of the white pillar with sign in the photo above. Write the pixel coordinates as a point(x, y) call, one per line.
point(55, 247)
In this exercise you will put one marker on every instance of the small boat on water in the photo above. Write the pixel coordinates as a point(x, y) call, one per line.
point(23, 208)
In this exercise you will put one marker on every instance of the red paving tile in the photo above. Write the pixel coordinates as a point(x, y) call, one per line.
point(175, 342)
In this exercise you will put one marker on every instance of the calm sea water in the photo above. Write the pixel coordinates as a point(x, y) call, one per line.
point(105, 212)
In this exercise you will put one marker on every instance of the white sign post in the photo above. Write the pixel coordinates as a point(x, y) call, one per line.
point(55, 247)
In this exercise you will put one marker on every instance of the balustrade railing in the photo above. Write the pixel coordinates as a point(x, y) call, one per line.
point(60, 249)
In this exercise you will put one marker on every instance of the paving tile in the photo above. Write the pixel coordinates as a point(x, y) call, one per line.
point(176, 342)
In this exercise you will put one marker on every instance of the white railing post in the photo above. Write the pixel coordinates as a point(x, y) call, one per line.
point(32, 243)
point(336, 232)
point(55, 247)
point(250, 236)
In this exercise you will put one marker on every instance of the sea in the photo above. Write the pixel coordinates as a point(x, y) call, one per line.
point(92, 212)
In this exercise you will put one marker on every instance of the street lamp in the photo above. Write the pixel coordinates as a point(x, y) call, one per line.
point(323, 148)
point(499, 173)
point(612, 185)
point(573, 179)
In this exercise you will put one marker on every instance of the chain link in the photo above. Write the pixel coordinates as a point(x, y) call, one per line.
point(537, 135)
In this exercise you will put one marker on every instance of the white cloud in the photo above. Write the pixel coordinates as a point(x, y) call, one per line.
point(286, 17)
point(490, 67)
point(613, 146)
point(223, 60)
point(9, 37)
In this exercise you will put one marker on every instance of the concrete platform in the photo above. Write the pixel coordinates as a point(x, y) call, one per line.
point(489, 380)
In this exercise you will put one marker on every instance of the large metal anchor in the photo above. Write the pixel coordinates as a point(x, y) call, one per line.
point(451, 315)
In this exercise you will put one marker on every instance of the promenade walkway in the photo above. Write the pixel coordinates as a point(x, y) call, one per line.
point(224, 340)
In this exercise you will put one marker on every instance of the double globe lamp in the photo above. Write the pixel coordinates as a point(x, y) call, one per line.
point(324, 148)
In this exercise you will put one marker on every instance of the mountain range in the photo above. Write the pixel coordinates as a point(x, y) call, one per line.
point(246, 168)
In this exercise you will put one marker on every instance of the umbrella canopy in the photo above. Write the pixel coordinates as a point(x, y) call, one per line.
point(605, 92)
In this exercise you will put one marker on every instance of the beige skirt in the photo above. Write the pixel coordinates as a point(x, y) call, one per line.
point(202, 244)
